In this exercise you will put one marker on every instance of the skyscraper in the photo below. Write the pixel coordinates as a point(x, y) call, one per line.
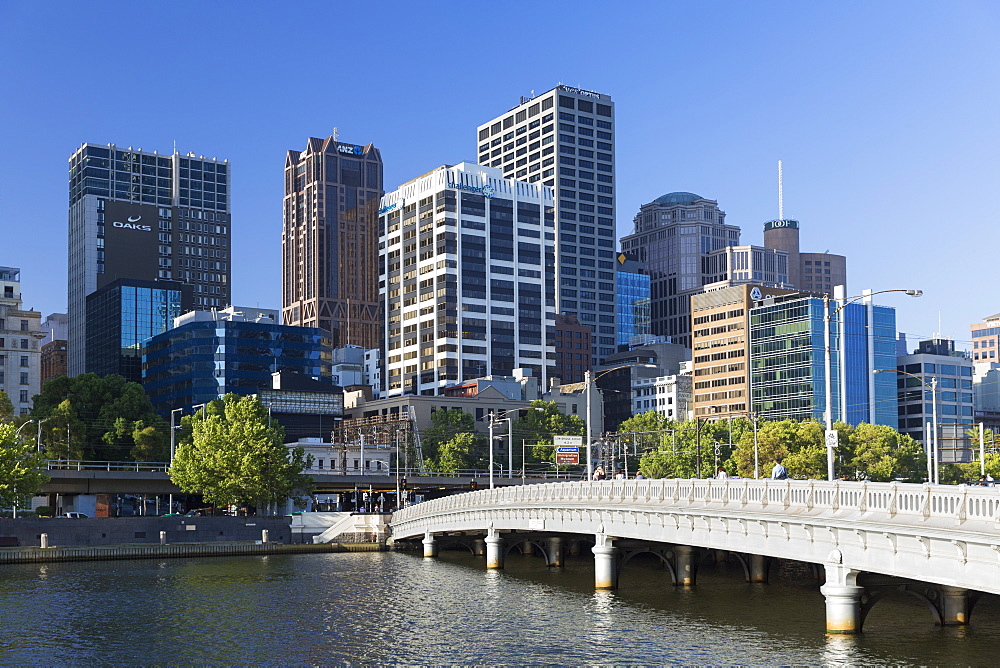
point(673, 236)
point(329, 269)
point(145, 216)
point(564, 138)
point(465, 279)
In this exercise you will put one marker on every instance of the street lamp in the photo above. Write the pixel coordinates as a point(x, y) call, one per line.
point(501, 416)
point(827, 363)
point(931, 445)
point(18, 431)
point(588, 381)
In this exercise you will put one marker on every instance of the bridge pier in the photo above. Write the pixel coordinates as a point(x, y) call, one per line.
point(605, 568)
point(479, 547)
point(843, 598)
point(758, 568)
point(684, 565)
point(553, 545)
point(954, 606)
point(494, 550)
point(430, 546)
point(720, 556)
point(573, 548)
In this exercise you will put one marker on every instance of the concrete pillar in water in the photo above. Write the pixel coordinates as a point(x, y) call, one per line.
point(43, 540)
point(843, 597)
point(684, 565)
point(479, 547)
point(573, 548)
point(163, 538)
point(758, 568)
point(605, 562)
point(720, 556)
point(553, 546)
point(494, 550)
point(954, 606)
point(430, 546)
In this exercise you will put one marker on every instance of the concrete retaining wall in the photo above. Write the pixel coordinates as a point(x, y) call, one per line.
point(142, 530)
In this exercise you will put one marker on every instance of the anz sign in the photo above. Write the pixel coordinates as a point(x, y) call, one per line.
point(350, 148)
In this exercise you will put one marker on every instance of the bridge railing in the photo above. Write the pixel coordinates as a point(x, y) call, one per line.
point(945, 505)
point(80, 465)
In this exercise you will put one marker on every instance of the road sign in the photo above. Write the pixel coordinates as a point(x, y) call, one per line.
point(567, 440)
point(568, 457)
point(568, 450)
point(832, 438)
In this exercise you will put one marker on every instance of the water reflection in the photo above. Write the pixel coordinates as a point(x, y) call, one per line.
point(399, 608)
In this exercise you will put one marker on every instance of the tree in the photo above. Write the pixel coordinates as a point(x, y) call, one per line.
point(880, 453)
point(235, 457)
point(96, 404)
point(20, 466)
point(463, 451)
point(543, 420)
point(446, 423)
point(6, 408)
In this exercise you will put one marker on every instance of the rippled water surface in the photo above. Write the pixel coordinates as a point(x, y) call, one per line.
point(380, 608)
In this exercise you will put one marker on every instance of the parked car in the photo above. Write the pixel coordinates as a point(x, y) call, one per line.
point(74, 516)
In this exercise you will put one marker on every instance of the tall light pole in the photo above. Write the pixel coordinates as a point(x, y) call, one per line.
point(18, 431)
point(588, 380)
point(931, 444)
point(827, 364)
point(173, 450)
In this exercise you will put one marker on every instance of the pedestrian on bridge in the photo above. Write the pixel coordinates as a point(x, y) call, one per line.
point(779, 472)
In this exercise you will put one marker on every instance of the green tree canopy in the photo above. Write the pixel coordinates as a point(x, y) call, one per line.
point(235, 457)
point(20, 465)
point(95, 406)
point(880, 453)
point(540, 422)
point(463, 451)
point(446, 423)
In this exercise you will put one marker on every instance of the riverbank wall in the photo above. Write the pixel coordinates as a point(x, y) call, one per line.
point(23, 555)
point(103, 531)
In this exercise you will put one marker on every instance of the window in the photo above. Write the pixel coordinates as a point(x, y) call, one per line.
point(24, 361)
point(24, 396)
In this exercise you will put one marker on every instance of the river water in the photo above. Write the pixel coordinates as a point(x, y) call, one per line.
point(398, 608)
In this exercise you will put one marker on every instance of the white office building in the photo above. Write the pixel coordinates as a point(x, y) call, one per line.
point(466, 275)
point(564, 138)
point(670, 396)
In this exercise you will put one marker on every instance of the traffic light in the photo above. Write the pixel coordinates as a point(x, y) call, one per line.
point(473, 485)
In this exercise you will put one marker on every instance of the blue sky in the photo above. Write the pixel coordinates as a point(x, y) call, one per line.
point(884, 114)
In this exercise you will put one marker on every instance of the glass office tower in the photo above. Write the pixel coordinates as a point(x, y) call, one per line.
point(788, 374)
point(632, 300)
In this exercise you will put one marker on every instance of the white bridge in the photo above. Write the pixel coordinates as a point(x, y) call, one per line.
point(937, 542)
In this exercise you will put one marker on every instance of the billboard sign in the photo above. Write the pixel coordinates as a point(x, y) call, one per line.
point(131, 240)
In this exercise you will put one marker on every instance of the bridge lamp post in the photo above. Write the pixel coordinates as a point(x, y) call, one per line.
point(931, 444)
point(504, 416)
point(828, 317)
point(18, 431)
point(588, 382)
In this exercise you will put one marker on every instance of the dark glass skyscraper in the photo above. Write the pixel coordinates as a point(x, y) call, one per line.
point(144, 216)
point(329, 269)
point(124, 314)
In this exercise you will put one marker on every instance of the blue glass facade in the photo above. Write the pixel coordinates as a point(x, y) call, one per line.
point(203, 360)
point(788, 368)
point(632, 304)
point(121, 316)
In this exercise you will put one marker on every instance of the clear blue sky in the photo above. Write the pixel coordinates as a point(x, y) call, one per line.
point(884, 113)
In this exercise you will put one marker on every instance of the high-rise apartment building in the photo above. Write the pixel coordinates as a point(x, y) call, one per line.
point(329, 269)
point(20, 335)
point(673, 236)
point(141, 215)
point(986, 341)
point(565, 139)
point(466, 272)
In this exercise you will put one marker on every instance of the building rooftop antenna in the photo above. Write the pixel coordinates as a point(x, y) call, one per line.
point(336, 134)
point(781, 197)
